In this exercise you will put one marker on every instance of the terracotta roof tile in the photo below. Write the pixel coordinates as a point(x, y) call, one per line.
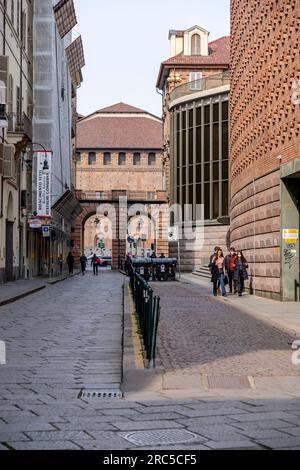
point(121, 108)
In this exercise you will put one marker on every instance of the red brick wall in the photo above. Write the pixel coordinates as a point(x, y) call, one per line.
point(265, 123)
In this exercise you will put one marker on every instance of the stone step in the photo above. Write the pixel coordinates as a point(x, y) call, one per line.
point(203, 271)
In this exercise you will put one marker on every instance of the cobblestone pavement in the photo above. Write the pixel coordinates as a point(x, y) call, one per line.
point(68, 337)
point(200, 332)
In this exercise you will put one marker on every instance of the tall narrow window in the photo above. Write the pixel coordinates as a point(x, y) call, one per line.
point(195, 80)
point(18, 105)
point(106, 158)
point(10, 103)
point(23, 28)
point(78, 157)
point(18, 18)
point(136, 158)
point(92, 158)
point(151, 159)
point(196, 43)
point(12, 12)
point(122, 158)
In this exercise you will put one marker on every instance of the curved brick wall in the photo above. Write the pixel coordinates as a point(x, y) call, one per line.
point(264, 127)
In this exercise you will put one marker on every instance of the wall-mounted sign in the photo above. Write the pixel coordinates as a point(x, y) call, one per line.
point(290, 235)
point(35, 223)
point(46, 231)
point(43, 190)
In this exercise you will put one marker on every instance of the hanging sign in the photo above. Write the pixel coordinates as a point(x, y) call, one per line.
point(43, 190)
point(290, 235)
point(35, 223)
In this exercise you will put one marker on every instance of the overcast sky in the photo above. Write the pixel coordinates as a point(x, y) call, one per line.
point(126, 40)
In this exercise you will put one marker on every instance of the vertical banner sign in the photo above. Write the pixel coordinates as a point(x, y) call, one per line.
point(43, 190)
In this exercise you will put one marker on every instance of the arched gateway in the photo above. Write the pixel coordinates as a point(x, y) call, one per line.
point(121, 207)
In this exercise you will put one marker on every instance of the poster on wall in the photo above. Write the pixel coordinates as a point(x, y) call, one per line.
point(43, 189)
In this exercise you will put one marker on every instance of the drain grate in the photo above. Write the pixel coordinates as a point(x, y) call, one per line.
point(228, 381)
point(85, 393)
point(159, 437)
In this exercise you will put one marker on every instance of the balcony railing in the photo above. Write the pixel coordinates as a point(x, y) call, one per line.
point(206, 83)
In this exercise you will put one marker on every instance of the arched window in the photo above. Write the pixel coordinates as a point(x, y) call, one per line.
point(195, 43)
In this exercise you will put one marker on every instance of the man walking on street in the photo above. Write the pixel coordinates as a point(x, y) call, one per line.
point(230, 261)
point(70, 262)
point(83, 261)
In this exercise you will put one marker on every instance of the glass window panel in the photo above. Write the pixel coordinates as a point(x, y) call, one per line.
point(178, 121)
point(207, 201)
point(183, 147)
point(183, 194)
point(106, 158)
point(191, 173)
point(216, 171)
point(225, 111)
point(216, 112)
point(178, 145)
point(207, 172)
point(191, 146)
point(122, 158)
point(216, 141)
point(78, 156)
point(183, 174)
point(178, 194)
point(206, 143)
point(207, 114)
point(198, 116)
point(92, 158)
point(225, 140)
point(191, 199)
point(198, 144)
point(178, 174)
point(191, 118)
point(225, 166)
point(198, 173)
point(151, 159)
point(184, 120)
point(225, 198)
point(215, 200)
point(198, 193)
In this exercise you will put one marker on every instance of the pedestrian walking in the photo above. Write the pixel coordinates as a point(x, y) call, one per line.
point(83, 261)
point(96, 264)
point(229, 268)
point(240, 272)
point(70, 262)
point(218, 265)
point(162, 255)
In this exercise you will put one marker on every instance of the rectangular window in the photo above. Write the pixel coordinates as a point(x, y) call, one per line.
point(23, 28)
point(207, 172)
point(18, 105)
point(191, 174)
point(184, 120)
point(198, 144)
point(150, 195)
point(225, 111)
point(18, 18)
point(106, 158)
point(191, 146)
point(216, 171)
point(198, 194)
point(206, 143)
point(191, 118)
point(92, 158)
point(12, 12)
point(183, 147)
point(191, 198)
point(207, 114)
point(122, 158)
point(78, 157)
point(99, 195)
point(225, 140)
point(136, 159)
point(216, 142)
point(183, 174)
point(195, 80)
point(198, 116)
point(216, 112)
point(198, 173)
point(151, 159)
point(225, 165)
point(215, 200)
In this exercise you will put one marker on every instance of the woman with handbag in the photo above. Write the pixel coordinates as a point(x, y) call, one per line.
point(240, 272)
point(218, 265)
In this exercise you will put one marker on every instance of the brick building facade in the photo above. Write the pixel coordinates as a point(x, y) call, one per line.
point(119, 151)
point(265, 143)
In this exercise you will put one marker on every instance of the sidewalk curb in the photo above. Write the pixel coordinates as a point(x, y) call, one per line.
point(55, 281)
point(21, 296)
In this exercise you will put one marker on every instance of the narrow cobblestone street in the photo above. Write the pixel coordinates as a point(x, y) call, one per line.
point(68, 337)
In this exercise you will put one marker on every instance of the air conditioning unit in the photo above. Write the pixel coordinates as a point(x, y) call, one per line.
point(9, 161)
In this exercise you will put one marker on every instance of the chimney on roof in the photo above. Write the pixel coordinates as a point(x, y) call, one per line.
point(176, 42)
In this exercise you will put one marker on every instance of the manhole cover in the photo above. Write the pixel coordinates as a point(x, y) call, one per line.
point(152, 438)
point(228, 381)
point(100, 394)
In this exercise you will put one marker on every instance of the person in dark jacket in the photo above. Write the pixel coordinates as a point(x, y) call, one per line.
point(83, 261)
point(212, 256)
point(70, 262)
point(240, 273)
point(230, 260)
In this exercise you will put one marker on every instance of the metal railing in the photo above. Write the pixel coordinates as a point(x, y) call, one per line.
point(206, 83)
point(148, 310)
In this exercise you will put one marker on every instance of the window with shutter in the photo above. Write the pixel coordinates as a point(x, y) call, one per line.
point(196, 81)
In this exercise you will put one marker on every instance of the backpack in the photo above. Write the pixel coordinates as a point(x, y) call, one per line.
point(98, 260)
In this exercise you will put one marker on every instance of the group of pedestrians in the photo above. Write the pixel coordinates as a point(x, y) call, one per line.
point(230, 269)
point(95, 262)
